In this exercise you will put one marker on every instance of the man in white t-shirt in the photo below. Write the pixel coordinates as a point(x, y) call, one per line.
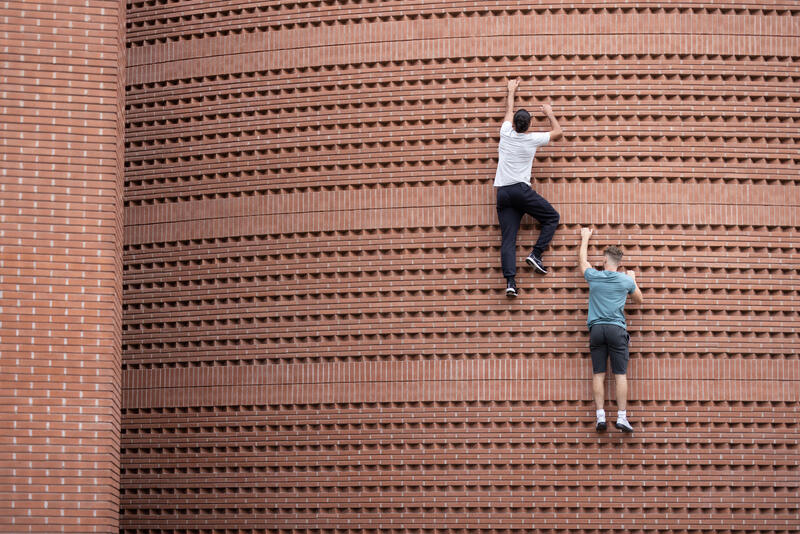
point(515, 196)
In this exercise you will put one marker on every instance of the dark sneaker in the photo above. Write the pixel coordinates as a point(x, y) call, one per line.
point(601, 426)
point(536, 262)
point(624, 425)
point(511, 288)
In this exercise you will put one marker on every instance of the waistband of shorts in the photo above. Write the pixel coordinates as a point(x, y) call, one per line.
point(608, 324)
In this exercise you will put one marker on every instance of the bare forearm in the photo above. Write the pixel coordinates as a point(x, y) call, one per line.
point(583, 252)
point(636, 296)
point(509, 106)
point(513, 83)
point(637, 293)
point(555, 128)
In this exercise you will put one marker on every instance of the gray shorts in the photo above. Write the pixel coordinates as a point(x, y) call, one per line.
point(609, 340)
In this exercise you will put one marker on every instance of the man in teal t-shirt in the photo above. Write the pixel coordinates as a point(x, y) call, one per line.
point(608, 335)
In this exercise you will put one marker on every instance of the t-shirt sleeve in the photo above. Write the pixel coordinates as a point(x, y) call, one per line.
point(505, 128)
point(539, 138)
point(631, 284)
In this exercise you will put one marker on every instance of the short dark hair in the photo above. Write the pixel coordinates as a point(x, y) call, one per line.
point(522, 119)
point(614, 253)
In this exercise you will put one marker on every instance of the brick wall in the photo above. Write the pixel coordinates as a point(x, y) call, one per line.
point(315, 332)
point(61, 265)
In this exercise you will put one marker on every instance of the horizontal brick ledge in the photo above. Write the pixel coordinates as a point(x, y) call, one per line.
point(532, 379)
point(685, 194)
point(459, 215)
point(461, 390)
point(254, 53)
point(511, 28)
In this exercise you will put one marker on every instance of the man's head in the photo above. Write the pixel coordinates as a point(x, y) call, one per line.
point(613, 257)
point(522, 119)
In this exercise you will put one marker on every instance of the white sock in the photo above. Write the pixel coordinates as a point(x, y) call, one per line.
point(601, 415)
point(622, 414)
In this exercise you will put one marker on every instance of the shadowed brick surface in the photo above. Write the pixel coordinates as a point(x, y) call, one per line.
point(315, 332)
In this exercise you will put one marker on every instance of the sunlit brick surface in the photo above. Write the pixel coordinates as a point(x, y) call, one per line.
point(62, 91)
point(316, 337)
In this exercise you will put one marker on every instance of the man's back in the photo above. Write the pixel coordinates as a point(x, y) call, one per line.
point(608, 291)
point(516, 152)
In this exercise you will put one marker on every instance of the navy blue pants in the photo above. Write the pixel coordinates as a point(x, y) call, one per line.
point(513, 201)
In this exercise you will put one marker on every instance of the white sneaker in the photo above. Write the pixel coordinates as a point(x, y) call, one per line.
point(601, 425)
point(624, 425)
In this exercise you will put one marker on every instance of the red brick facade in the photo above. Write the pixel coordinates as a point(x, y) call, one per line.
point(314, 332)
point(316, 335)
point(63, 91)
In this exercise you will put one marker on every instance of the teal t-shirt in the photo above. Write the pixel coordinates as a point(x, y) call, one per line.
point(607, 293)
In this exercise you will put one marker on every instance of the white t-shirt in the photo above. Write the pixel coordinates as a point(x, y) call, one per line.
point(516, 155)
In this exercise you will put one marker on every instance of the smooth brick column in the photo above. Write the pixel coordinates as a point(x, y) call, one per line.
point(60, 265)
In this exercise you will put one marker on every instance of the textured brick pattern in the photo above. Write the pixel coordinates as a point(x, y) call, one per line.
point(315, 333)
point(61, 189)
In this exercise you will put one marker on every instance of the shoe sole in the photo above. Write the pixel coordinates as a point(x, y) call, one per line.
point(624, 428)
point(601, 428)
point(511, 294)
point(535, 267)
